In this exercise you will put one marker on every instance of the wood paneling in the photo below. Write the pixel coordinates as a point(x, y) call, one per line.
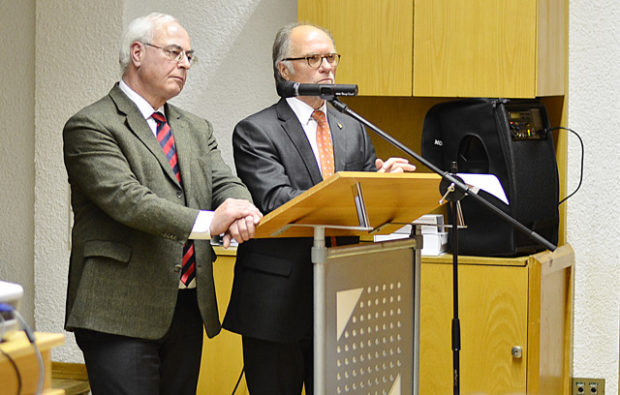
point(493, 315)
point(446, 48)
point(375, 39)
point(222, 356)
point(551, 56)
point(484, 48)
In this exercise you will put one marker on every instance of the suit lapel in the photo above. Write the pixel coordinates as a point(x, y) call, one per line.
point(139, 127)
point(296, 133)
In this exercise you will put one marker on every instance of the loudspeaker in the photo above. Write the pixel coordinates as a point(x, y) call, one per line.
point(510, 139)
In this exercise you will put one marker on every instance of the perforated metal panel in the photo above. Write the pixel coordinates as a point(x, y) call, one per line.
point(370, 320)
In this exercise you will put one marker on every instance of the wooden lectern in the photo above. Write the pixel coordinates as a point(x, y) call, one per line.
point(366, 296)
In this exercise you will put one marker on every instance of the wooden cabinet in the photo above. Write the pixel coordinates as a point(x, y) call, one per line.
point(447, 48)
point(521, 304)
point(493, 318)
point(222, 356)
point(407, 55)
point(361, 29)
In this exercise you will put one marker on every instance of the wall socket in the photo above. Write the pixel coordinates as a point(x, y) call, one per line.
point(588, 386)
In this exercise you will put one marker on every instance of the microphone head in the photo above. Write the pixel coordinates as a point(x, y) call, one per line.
point(325, 91)
point(286, 88)
point(346, 90)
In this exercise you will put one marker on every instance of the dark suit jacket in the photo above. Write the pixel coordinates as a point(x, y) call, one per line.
point(132, 217)
point(272, 290)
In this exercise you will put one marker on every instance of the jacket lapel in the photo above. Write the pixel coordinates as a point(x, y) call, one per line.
point(295, 132)
point(138, 126)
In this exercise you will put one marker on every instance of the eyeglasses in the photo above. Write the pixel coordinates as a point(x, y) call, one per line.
point(315, 61)
point(176, 53)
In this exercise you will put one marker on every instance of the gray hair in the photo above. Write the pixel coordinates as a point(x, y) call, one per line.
point(282, 46)
point(141, 29)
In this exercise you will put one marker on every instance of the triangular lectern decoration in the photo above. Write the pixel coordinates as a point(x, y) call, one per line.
point(395, 390)
point(345, 304)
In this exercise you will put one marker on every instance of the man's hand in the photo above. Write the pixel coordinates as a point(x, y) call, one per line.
point(237, 219)
point(394, 165)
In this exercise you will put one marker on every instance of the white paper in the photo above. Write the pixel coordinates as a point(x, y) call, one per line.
point(487, 182)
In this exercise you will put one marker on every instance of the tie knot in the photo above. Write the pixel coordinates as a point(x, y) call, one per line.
point(318, 116)
point(159, 117)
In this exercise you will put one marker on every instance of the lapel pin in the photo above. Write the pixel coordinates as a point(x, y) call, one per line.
point(339, 125)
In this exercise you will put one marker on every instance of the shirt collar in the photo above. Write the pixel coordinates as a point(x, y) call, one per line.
point(143, 106)
point(304, 111)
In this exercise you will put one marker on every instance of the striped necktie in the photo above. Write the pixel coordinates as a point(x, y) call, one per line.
point(166, 140)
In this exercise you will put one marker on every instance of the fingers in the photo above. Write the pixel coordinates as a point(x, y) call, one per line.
point(226, 240)
point(394, 165)
point(242, 229)
point(237, 219)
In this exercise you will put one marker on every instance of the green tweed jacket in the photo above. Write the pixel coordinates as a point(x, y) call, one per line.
point(132, 217)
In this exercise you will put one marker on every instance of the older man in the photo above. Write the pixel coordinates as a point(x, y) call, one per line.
point(280, 152)
point(148, 189)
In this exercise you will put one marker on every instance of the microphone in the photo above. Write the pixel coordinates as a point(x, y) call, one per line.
point(325, 91)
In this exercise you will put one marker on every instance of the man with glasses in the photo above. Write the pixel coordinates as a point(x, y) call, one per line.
point(280, 152)
point(148, 190)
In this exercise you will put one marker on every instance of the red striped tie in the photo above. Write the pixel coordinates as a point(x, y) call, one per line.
point(166, 140)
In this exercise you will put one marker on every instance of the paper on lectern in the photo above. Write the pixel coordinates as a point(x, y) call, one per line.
point(487, 182)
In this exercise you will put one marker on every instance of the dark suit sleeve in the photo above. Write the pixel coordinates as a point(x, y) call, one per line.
point(260, 165)
point(367, 152)
point(100, 172)
point(223, 182)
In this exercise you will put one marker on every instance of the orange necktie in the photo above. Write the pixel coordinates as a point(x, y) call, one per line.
point(324, 144)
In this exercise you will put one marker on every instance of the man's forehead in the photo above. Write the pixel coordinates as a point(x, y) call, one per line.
point(305, 38)
point(171, 28)
point(173, 33)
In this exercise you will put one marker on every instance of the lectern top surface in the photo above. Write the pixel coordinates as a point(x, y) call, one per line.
point(387, 198)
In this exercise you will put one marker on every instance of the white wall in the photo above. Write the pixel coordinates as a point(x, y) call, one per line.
point(594, 213)
point(76, 50)
point(17, 148)
point(76, 62)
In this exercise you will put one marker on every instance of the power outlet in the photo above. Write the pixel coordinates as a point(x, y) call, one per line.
point(588, 386)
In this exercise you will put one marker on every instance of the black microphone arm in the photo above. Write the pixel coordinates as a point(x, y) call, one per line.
point(446, 176)
point(324, 91)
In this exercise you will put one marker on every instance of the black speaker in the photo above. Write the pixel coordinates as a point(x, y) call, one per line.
point(510, 139)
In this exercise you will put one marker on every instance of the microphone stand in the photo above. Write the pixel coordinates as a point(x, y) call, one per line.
point(452, 189)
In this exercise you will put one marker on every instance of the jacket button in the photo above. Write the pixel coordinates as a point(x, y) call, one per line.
point(179, 194)
point(177, 268)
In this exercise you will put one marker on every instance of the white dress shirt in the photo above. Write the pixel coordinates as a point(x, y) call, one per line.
point(309, 124)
